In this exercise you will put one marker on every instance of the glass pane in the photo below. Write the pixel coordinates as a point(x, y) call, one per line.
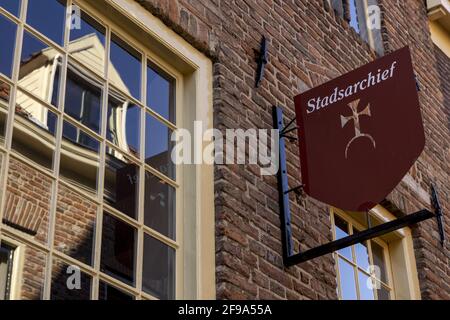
point(38, 15)
point(341, 228)
point(8, 39)
point(158, 146)
point(28, 196)
point(362, 255)
point(124, 133)
point(79, 158)
point(69, 283)
point(5, 90)
point(83, 98)
point(87, 44)
point(159, 205)
point(353, 16)
point(379, 261)
point(348, 285)
point(365, 287)
point(75, 225)
point(33, 274)
point(40, 69)
point(384, 293)
point(158, 276)
point(12, 6)
point(34, 130)
point(118, 257)
point(6, 267)
point(125, 67)
point(121, 183)
point(108, 292)
point(160, 93)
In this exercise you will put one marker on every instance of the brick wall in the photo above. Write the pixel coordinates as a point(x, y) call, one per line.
point(308, 46)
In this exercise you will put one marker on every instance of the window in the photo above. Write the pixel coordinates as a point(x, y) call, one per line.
point(89, 180)
point(363, 268)
point(364, 17)
point(6, 270)
point(378, 269)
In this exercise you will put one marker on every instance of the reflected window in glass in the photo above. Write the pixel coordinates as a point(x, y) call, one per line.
point(118, 256)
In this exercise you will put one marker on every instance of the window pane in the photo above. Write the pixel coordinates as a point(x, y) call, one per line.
point(118, 257)
point(158, 146)
point(342, 232)
point(108, 292)
point(353, 16)
point(6, 265)
point(125, 68)
point(121, 183)
point(28, 197)
point(83, 98)
point(12, 6)
point(383, 293)
point(158, 276)
point(362, 255)
point(124, 133)
point(159, 205)
point(33, 274)
point(87, 44)
point(378, 260)
point(79, 158)
point(160, 93)
point(34, 130)
point(75, 225)
point(38, 15)
point(8, 39)
point(40, 69)
point(5, 91)
point(365, 287)
point(66, 286)
point(347, 276)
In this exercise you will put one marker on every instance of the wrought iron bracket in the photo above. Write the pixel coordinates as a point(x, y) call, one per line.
point(290, 258)
point(438, 212)
point(262, 60)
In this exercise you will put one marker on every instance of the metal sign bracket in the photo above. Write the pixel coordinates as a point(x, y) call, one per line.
point(290, 258)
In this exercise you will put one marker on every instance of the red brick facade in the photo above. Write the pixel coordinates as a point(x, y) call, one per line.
point(309, 45)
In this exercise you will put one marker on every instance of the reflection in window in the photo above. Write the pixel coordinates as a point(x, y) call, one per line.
point(79, 158)
point(34, 133)
point(341, 229)
point(121, 183)
point(33, 274)
point(13, 6)
point(75, 225)
point(64, 286)
point(158, 146)
point(118, 258)
point(8, 39)
point(159, 206)
point(5, 91)
point(38, 15)
point(83, 99)
point(6, 268)
point(347, 277)
point(123, 125)
point(91, 36)
point(108, 292)
point(158, 273)
point(125, 68)
point(160, 93)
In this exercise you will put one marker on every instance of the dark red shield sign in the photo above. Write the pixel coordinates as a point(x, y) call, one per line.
point(360, 133)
